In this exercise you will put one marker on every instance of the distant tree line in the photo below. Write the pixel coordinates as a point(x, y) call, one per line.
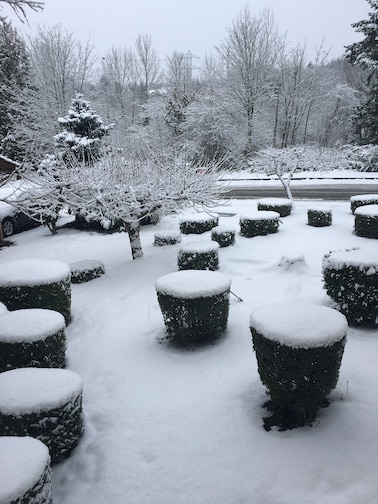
point(253, 93)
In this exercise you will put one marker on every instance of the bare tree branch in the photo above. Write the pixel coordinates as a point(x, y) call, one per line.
point(18, 7)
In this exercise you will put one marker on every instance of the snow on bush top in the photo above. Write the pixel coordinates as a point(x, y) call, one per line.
point(299, 325)
point(323, 209)
point(32, 390)
point(274, 201)
point(30, 325)
point(22, 462)
point(32, 272)
point(369, 210)
point(360, 258)
point(200, 217)
point(223, 229)
point(199, 246)
point(192, 284)
point(85, 265)
point(260, 215)
point(3, 309)
point(364, 197)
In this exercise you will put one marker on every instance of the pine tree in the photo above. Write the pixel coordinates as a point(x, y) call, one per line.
point(82, 132)
point(14, 70)
point(365, 53)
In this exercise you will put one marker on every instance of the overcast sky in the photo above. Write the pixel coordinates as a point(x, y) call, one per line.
point(197, 25)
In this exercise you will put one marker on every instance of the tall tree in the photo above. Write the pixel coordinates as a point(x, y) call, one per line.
point(249, 52)
point(14, 69)
point(365, 53)
point(147, 63)
point(18, 6)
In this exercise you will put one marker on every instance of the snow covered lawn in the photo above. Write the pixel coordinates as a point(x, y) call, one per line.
point(184, 426)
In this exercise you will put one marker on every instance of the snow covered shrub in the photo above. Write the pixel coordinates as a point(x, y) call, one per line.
point(366, 221)
point(281, 205)
point(363, 199)
point(25, 471)
point(360, 157)
point(259, 223)
point(351, 280)
point(319, 217)
point(45, 404)
point(161, 239)
point(299, 348)
point(223, 235)
point(84, 271)
point(194, 305)
point(32, 338)
point(152, 218)
point(198, 224)
point(198, 256)
point(36, 283)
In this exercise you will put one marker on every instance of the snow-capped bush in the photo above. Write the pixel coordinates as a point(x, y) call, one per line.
point(363, 199)
point(319, 217)
point(366, 221)
point(84, 271)
point(223, 235)
point(198, 224)
point(259, 223)
point(167, 238)
point(198, 256)
point(299, 348)
point(280, 205)
point(351, 280)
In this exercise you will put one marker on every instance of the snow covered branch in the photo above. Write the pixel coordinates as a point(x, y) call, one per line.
point(19, 6)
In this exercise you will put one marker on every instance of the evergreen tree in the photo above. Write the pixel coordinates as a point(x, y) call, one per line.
point(82, 132)
point(14, 70)
point(176, 110)
point(365, 53)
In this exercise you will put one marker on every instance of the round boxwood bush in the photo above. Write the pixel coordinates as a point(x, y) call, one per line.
point(198, 223)
point(198, 256)
point(166, 238)
point(32, 337)
point(259, 223)
point(363, 199)
point(36, 283)
point(319, 216)
point(299, 348)
point(223, 235)
point(283, 206)
point(84, 271)
point(25, 471)
point(351, 280)
point(45, 404)
point(194, 305)
point(366, 221)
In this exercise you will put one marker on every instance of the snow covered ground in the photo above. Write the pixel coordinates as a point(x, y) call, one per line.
point(184, 426)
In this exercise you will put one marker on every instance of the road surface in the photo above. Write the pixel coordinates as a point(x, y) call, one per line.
point(328, 192)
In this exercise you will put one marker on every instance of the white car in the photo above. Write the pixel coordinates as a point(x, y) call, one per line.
point(12, 220)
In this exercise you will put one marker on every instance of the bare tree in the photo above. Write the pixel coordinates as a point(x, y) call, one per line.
point(19, 6)
point(147, 62)
point(249, 52)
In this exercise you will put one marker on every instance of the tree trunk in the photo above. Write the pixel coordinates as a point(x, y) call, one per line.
point(133, 230)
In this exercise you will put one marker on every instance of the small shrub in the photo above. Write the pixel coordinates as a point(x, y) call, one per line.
point(259, 223)
point(162, 239)
point(319, 217)
point(363, 199)
point(223, 236)
point(198, 224)
point(281, 205)
point(198, 256)
point(351, 280)
point(299, 348)
point(194, 305)
point(84, 271)
point(366, 221)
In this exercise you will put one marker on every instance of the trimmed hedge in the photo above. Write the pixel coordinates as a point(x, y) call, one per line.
point(363, 199)
point(366, 221)
point(32, 410)
point(259, 223)
point(198, 224)
point(223, 236)
point(162, 239)
point(84, 271)
point(298, 376)
point(351, 280)
point(36, 283)
point(319, 217)
point(32, 338)
point(199, 256)
point(25, 470)
point(281, 205)
point(194, 304)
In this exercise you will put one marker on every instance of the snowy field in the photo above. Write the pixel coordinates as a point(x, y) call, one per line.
point(184, 426)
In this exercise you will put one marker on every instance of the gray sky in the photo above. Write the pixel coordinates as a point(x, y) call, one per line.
point(197, 25)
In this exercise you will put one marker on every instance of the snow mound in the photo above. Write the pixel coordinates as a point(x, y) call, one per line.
point(367, 210)
point(32, 272)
